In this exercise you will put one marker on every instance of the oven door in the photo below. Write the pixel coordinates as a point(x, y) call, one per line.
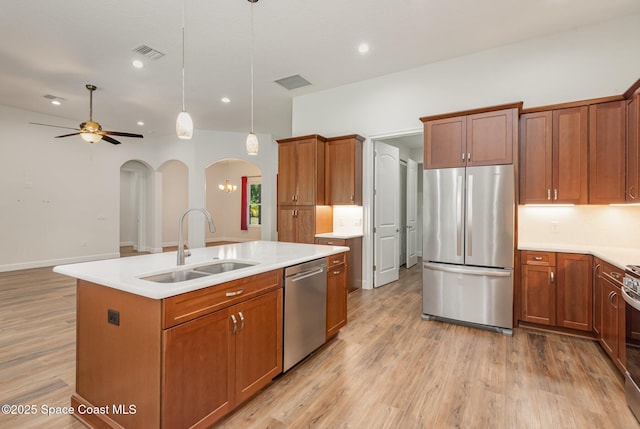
point(632, 348)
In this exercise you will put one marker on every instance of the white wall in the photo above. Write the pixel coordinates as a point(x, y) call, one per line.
point(175, 199)
point(588, 62)
point(60, 198)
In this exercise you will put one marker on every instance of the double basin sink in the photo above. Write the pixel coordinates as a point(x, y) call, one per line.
point(213, 268)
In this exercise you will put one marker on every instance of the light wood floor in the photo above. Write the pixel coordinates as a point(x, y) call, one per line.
point(386, 369)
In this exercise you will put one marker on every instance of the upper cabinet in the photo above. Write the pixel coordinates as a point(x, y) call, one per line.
point(607, 132)
point(632, 191)
point(553, 156)
point(478, 137)
point(343, 178)
point(301, 171)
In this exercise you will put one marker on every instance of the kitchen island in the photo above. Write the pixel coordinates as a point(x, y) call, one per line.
point(183, 353)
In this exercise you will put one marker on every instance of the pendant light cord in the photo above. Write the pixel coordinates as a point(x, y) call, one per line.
point(252, 59)
point(183, 13)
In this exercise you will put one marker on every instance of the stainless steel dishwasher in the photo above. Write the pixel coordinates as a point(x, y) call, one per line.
point(305, 310)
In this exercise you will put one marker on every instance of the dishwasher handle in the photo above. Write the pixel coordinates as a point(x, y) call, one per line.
point(306, 274)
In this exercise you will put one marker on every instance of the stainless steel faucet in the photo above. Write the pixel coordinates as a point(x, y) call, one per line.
point(182, 253)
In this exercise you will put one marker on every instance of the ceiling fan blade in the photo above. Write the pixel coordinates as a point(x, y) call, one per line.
point(110, 140)
point(67, 135)
point(55, 126)
point(118, 133)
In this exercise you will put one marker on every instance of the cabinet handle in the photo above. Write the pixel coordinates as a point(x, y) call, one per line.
point(555, 194)
point(241, 320)
point(235, 324)
point(549, 194)
point(468, 156)
point(235, 293)
point(352, 198)
point(537, 258)
point(335, 273)
point(329, 242)
point(462, 156)
point(337, 261)
point(615, 275)
point(612, 295)
point(595, 270)
point(631, 188)
point(553, 277)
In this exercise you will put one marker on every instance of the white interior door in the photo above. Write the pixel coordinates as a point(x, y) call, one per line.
point(412, 213)
point(386, 213)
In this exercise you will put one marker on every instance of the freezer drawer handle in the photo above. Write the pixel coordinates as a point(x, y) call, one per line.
point(490, 273)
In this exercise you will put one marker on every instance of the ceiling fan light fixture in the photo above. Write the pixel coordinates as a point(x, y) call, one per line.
point(90, 137)
point(184, 126)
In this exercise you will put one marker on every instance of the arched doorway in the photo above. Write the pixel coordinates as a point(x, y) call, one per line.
point(136, 207)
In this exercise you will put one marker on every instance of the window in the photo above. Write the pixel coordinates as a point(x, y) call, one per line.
point(255, 201)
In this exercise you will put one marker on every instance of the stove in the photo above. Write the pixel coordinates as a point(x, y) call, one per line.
point(631, 294)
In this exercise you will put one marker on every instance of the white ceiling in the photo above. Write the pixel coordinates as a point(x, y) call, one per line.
point(56, 47)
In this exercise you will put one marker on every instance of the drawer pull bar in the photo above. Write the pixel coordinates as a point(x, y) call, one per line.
point(537, 258)
point(235, 293)
point(615, 275)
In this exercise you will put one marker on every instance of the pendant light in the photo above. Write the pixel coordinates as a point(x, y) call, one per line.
point(252, 144)
point(184, 123)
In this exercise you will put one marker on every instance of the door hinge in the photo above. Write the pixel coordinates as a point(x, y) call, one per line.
point(374, 230)
point(374, 268)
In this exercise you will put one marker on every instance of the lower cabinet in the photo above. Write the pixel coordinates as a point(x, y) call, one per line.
point(612, 312)
point(336, 293)
point(354, 258)
point(556, 290)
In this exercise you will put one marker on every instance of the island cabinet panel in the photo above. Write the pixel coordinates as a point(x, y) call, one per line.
point(607, 143)
point(344, 170)
point(484, 137)
point(574, 291)
point(336, 294)
point(553, 156)
point(632, 191)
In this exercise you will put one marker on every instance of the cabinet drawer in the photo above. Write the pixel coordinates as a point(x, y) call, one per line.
point(335, 260)
point(188, 306)
point(331, 241)
point(611, 272)
point(530, 257)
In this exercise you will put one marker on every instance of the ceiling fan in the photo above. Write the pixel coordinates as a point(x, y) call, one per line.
point(91, 131)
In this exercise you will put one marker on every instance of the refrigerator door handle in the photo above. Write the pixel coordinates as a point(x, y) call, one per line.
point(470, 271)
point(470, 215)
point(459, 215)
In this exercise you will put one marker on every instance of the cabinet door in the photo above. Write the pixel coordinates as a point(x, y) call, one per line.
point(490, 138)
point(536, 158)
point(445, 142)
point(287, 173)
point(570, 155)
point(287, 224)
point(597, 301)
point(538, 294)
point(305, 221)
point(309, 174)
point(574, 292)
point(632, 193)
point(610, 300)
point(607, 141)
point(344, 172)
point(258, 343)
point(336, 299)
point(197, 376)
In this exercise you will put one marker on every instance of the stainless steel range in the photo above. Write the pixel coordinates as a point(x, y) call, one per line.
point(631, 295)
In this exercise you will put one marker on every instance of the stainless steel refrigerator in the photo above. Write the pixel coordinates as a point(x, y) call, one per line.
point(468, 247)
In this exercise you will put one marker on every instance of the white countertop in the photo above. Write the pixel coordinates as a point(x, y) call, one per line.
point(124, 273)
point(343, 236)
point(618, 256)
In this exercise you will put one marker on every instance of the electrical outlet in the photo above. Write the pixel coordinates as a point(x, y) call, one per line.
point(555, 226)
point(113, 317)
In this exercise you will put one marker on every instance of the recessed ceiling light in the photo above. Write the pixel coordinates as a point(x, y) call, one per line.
point(140, 123)
point(55, 102)
point(225, 99)
point(363, 48)
point(138, 64)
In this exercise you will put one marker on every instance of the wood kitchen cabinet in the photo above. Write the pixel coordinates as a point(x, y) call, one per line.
point(607, 144)
point(336, 293)
point(612, 313)
point(301, 169)
point(354, 258)
point(632, 188)
point(184, 361)
point(553, 156)
point(556, 290)
point(343, 166)
point(478, 137)
point(300, 224)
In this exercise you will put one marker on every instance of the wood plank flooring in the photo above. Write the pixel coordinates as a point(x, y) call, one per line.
point(386, 369)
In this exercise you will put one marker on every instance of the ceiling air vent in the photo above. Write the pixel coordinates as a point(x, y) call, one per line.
point(148, 52)
point(293, 82)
